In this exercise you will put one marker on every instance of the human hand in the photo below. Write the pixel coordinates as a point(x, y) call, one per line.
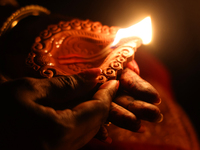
point(136, 100)
point(41, 113)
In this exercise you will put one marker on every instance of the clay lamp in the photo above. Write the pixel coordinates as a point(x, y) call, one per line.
point(71, 47)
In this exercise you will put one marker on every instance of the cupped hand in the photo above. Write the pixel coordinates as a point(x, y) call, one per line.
point(35, 113)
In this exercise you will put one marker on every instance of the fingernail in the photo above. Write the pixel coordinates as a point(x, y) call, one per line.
point(160, 119)
point(158, 103)
point(109, 83)
point(91, 74)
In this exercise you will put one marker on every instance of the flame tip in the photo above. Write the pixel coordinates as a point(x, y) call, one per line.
point(142, 30)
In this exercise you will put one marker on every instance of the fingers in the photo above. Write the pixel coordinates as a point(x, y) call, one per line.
point(124, 118)
point(138, 87)
point(85, 120)
point(66, 88)
point(95, 112)
point(133, 66)
point(143, 110)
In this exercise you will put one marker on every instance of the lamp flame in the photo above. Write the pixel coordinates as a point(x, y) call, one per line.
point(142, 30)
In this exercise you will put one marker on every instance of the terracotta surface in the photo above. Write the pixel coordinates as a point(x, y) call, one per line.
point(73, 46)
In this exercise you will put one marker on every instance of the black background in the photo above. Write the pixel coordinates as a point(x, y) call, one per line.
point(176, 36)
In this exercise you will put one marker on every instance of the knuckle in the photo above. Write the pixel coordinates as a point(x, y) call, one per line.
point(131, 106)
point(70, 81)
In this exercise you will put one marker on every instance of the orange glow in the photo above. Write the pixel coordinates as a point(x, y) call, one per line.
point(141, 30)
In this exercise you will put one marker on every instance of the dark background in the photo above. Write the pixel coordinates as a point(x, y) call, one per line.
point(176, 36)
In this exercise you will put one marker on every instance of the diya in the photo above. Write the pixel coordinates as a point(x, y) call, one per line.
point(73, 46)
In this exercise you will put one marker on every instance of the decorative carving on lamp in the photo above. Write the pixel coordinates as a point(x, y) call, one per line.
point(73, 46)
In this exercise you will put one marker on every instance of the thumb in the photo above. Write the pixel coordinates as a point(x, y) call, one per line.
point(65, 88)
point(97, 109)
